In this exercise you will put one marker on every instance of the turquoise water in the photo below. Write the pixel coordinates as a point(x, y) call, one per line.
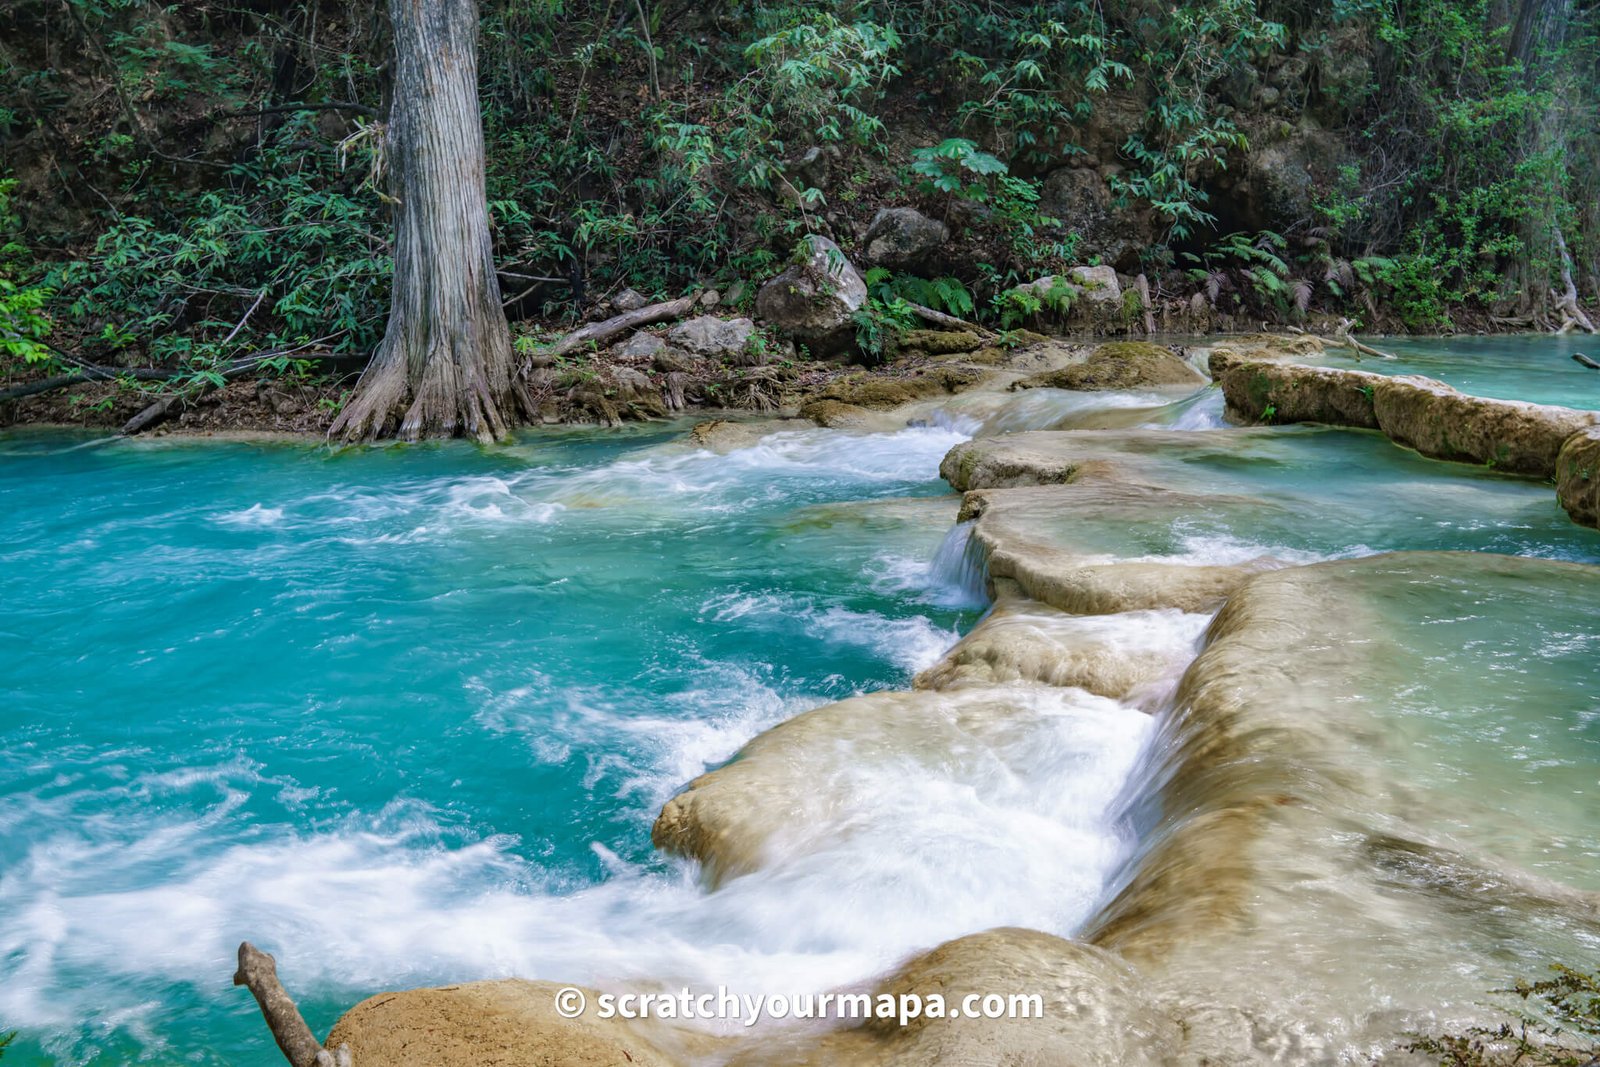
point(375, 710)
point(404, 716)
point(1535, 368)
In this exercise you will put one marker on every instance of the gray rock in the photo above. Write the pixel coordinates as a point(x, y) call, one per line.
point(629, 300)
point(669, 359)
point(813, 301)
point(712, 337)
point(903, 238)
point(641, 345)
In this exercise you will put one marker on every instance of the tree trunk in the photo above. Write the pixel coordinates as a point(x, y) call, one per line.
point(444, 366)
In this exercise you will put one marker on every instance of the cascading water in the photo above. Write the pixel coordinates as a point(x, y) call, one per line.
point(406, 716)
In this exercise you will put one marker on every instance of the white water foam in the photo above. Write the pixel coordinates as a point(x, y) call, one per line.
point(1013, 827)
point(912, 644)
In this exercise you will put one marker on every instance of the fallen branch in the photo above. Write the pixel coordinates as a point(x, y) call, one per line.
point(939, 318)
point(1586, 361)
point(258, 972)
point(1342, 335)
point(599, 332)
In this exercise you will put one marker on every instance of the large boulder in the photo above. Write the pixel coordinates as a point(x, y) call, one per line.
point(1082, 199)
point(1578, 477)
point(1119, 365)
point(1093, 296)
point(724, 339)
point(903, 238)
point(815, 300)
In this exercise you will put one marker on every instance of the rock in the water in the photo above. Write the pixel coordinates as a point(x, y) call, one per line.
point(724, 339)
point(510, 1023)
point(903, 238)
point(835, 414)
point(1119, 365)
point(641, 345)
point(1578, 477)
point(629, 300)
point(1432, 417)
point(814, 300)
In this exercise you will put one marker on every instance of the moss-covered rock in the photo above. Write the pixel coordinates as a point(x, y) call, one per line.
point(835, 414)
point(1578, 477)
point(1118, 365)
point(941, 342)
point(882, 392)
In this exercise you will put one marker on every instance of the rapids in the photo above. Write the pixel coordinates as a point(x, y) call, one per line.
point(405, 716)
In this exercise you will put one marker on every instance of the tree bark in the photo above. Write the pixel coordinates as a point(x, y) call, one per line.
point(258, 972)
point(444, 366)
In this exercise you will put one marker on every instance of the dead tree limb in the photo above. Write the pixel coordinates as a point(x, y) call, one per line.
point(599, 332)
point(1342, 335)
point(1586, 361)
point(258, 972)
point(939, 318)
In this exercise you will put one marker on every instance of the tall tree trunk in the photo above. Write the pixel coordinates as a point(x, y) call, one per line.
point(444, 366)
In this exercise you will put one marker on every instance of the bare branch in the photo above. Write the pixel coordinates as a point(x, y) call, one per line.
point(258, 972)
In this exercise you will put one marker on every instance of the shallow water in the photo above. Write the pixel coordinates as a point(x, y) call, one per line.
point(405, 716)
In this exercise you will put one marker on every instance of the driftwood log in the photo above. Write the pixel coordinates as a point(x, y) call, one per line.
point(258, 972)
point(1586, 361)
point(939, 318)
point(598, 333)
point(1342, 335)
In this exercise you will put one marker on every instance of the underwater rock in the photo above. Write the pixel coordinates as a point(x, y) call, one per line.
point(1118, 365)
point(814, 301)
point(511, 1023)
point(1578, 477)
point(1097, 1012)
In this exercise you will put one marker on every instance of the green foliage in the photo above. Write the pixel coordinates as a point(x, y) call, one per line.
point(285, 256)
point(6, 1039)
point(23, 322)
point(1555, 1024)
point(1025, 303)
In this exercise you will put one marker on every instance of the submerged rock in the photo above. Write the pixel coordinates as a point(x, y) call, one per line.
point(815, 300)
point(1118, 365)
point(903, 238)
